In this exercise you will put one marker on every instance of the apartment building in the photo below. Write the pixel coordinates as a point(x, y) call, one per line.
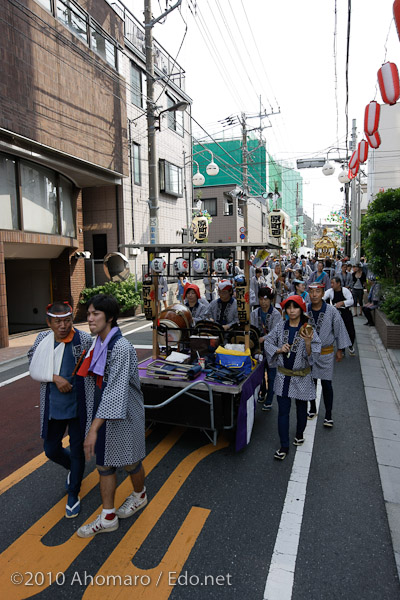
point(73, 150)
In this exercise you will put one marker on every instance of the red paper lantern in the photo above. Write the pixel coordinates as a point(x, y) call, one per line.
point(396, 14)
point(371, 117)
point(363, 151)
point(374, 140)
point(354, 159)
point(350, 175)
point(355, 169)
point(389, 84)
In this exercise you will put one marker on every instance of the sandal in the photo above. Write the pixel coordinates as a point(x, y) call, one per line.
point(298, 441)
point(311, 415)
point(281, 453)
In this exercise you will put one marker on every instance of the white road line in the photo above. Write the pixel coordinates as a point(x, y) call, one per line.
point(143, 346)
point(3, 383)
point(139, 328)
point(279, 584)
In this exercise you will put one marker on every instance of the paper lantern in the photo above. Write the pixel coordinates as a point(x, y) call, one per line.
point(181, 265)
point(200, 266)
point(158, 264)
point(354, 170)
point(396, 15)
point(200, 228)
point(363, 151)
point(371, 117)
point(374, 140)
point(389, 84)
point(353, 160)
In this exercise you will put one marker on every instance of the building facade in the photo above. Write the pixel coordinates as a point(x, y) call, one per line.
point(73, 151)
point(173, 143)
point(62, 130)
point(223, 194)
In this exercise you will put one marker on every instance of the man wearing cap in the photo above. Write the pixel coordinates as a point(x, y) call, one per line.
point(191, 298)
point(53, 360)
point(329, 326)
point(224, 309)
point(319, 276)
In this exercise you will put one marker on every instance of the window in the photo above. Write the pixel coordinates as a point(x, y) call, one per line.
point(170, 179)
point(99, 246)
point(8, 194)
point(67, 207)
point(210, 204)
point(39, 198)
point(45, 4)
point(47, 199)
point(73, 18)
point(137, 86)
point(175, 118)
point(228, 209)
point(137, 176)
point(103, 46)
point(262, 219)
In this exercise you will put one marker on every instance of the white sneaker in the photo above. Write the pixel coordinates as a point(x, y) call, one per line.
point(99, 525)
point(132, 504)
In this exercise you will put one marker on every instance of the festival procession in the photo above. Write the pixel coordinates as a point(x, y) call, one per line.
point(200, 317)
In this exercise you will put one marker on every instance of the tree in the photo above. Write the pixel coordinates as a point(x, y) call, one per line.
point(380, 230)
point(295, 242)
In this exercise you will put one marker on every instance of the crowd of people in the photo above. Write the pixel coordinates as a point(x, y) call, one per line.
point(302, 310)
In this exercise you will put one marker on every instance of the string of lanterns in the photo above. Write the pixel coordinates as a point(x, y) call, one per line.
point(389, 85)
point(338, 217)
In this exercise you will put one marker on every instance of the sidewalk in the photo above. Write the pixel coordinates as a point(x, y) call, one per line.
point(381, 375)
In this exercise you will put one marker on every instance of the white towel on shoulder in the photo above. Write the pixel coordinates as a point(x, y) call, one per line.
point(46, 360)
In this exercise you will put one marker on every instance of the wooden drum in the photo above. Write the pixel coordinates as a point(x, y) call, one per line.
point(176, 318)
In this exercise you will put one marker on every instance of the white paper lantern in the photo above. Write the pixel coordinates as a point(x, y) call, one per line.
point(158, 264)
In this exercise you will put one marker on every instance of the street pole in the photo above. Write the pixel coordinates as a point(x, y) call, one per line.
point(347, 212)
point(245, 173)
point(354, 208)
point(151, 131)
point(149, 23)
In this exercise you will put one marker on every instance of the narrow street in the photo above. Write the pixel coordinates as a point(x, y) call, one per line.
point(240, 524)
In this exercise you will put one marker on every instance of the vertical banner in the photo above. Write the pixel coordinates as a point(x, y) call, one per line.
point(242, 300)
point(149, 298)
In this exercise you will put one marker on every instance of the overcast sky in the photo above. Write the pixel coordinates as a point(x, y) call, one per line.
point(236, 50)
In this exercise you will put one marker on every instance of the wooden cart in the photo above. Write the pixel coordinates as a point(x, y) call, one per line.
point(207, 406)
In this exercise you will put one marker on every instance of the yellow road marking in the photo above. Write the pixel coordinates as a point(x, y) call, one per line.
point(28, 553)
point(120, 563)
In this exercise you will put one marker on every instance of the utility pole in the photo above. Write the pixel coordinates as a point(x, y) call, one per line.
point(245, 173)
point(149, 23)
point(151, 131)
point(354, 208)
point(245, 155)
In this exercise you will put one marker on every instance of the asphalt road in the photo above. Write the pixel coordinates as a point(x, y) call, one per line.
point(213, 516)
